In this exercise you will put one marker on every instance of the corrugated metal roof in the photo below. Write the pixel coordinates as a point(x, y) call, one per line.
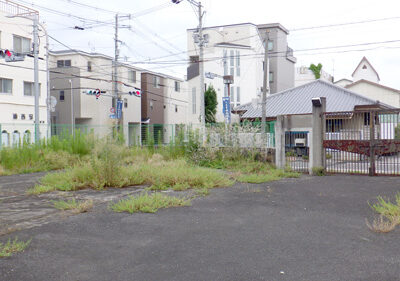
point(298, 100)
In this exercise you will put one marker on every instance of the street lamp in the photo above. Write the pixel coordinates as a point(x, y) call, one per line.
point(201, 41)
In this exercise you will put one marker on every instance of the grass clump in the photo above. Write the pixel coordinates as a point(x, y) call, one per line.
point(389, 214)
point(12, 247)
point(75, 206)
point(180, 175)
point(271, 175)
point(146, 203)
point(318, 171)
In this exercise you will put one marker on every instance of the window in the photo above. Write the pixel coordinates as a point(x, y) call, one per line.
point(5, 138)
point(15, 116)
point(29, 88)
point(237, 63)
point(89, 66)
point(238, 94)
point(271, 77)
point(177, 86)
point(151, 105)
point(126, 103)
point(270, 45)
point(132, 76)
point(30, 116)
point(334, 125)
point(64, 63)
point(225, 61)
point(62, 96)
point(232, 62)
point(364, 67)
point(5, 86)
point(27, 136)
point(156, 82)
point(16, 138)
point(23, 117)
point(21, 45)
point(176, 108)
point(232, 94)
point(194, 101)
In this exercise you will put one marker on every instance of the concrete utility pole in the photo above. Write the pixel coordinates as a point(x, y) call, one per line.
point(201, 67)
point(72, 110)
point(36, 74)
point(265, 84)
point(201, 42)
point(116, 95)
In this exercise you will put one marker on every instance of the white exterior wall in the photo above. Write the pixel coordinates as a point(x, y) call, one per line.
point(304, 75)
point(381, 94)
point(17, 102)
point(366, 74)
point(343, 83)
point(250, 80)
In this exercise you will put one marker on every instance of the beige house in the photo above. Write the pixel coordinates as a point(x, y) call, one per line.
point(73, 74)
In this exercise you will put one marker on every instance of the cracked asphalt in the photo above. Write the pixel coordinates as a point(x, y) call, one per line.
point(311, 228)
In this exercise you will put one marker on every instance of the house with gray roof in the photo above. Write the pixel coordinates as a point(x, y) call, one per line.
point(297, 101)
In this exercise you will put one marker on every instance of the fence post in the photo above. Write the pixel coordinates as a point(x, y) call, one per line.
point(317, 155)
point(280, 143)
point(372, 168)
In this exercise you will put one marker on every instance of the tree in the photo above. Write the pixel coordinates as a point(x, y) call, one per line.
point(210, 100)
point(316, 69)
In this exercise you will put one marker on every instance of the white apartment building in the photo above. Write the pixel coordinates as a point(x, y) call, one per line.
point(304, 75)
point(80, 72)
point(16, 78)
point(238, 50)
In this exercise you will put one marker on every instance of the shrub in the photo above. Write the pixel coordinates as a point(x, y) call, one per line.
point(318, 171)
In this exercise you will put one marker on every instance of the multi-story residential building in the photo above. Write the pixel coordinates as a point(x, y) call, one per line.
point(238, 50)
point(282, 62)
point(304, 75)
point(17, 112)
point(78, 72)
point(164, 105)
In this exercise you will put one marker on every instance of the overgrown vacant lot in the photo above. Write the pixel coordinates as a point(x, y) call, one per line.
point(85, 162)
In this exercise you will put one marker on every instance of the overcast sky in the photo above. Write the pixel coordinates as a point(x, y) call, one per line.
point(170, 21)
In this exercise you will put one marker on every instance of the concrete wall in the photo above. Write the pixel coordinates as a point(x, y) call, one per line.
point(304, 75)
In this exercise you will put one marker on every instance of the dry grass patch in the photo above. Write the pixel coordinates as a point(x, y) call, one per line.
point(73, 205)
point(382, 224)
point(146, 203)
point(12, 247)
point(389, 215)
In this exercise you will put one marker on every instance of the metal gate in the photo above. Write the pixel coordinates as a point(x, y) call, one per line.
point(362, 142)
point(297, 150)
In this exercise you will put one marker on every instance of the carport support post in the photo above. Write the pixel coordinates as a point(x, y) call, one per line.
point(372, 168)
point(318, 128)
point(280, 143)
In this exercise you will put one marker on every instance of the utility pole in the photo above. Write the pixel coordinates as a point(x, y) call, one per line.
point(201, 41)
point(72, 110)
point(115, 78)
point(201, 67)
point(265, 84)
point(36, 75)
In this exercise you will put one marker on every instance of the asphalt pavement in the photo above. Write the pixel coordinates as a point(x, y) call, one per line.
point(312, 228)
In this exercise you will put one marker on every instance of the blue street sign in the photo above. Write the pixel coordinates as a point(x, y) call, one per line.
point(119, 109)
point(226, 108)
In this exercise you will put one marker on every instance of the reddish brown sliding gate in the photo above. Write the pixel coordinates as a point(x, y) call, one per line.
point(362, 142)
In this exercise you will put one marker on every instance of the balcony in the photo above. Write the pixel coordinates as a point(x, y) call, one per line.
point(289, 55)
